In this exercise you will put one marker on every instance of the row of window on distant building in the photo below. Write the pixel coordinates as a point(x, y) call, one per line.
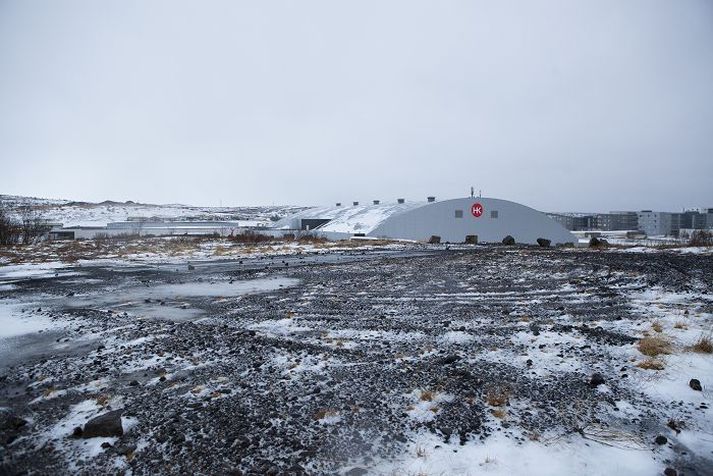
point(646, 221)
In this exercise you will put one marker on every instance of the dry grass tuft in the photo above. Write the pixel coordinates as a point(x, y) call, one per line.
point(427, 395)
point(704, 345)
point(497, 396)
point(656, 326)
point(654, 345)
point(499, 413)
point(324, 413)
point(651, 364)
point(680, 325)
point(103, 400)
point(421, 452)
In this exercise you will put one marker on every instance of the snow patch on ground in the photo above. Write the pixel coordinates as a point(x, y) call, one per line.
point(499, 455)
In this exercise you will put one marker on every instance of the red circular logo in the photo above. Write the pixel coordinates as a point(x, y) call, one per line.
point(476, 210)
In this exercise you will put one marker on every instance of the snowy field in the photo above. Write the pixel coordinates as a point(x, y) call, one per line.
point(355, 358)
point(71, 213)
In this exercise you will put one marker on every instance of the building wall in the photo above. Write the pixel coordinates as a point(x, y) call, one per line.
point(618, 221)
point(656, 223)
point(525, 224)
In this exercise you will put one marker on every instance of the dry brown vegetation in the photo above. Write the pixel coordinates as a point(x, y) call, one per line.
point(427, 395)
point(497, 396)
point(704, 345)
point(680, 325)
point(324, 413)
point(654, 345)
point(656, 326)
point(651, 364)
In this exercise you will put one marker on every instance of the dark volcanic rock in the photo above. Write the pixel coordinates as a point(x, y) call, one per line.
point(451, 359)
point(695, 384)
point(598, 242)
point(596, 380)
point(509, 240)
point(108, 424)
point(10, 427)
point(661, 440)
point(544, 242)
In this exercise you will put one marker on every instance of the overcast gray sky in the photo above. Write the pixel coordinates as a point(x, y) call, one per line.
point(561, 105)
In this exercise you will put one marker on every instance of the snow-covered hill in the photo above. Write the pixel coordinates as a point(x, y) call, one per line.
point(73, 213)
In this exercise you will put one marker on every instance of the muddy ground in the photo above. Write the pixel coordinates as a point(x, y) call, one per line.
point(331, 365)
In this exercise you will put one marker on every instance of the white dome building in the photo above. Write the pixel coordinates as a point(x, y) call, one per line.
point(489, 219)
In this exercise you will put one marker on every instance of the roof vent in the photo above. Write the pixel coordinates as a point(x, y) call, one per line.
point(355, 203)
point(376, 202)
point(400, 200)
point(431, 199)
point(339, 204)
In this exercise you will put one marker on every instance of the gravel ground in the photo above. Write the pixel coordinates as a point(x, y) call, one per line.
point(331, 366)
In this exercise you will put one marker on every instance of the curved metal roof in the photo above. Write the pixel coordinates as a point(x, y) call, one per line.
point(349, 219)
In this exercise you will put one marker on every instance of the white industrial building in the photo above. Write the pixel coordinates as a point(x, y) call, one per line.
point(488, 219)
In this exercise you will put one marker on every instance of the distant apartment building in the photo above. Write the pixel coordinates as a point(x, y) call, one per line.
point(575, 221)
point(647, 221)
point(616, 221)
point(658, 223)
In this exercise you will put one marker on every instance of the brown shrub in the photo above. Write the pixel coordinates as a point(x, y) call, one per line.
point(654, 345)
point(656, 326)
point(701, 238)
point(250, 237)
point(703, 345)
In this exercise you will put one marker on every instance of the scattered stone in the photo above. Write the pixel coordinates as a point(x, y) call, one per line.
point(508, 240)
point(661, 440)
point(191, 267)
point(670, 472)
point(544, 242)
point(10, 427)
point(106, 445)
point(356, 471)
point(448, 360)
point(434, 240)
point(598, 242)
point(596, 380)
point(134, 383)
point(108, 424)
point(695, 384)
point(124, 450)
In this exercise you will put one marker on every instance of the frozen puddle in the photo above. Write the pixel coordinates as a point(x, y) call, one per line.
point(175, 301)
point(220, 288)
point(22, 333)
point(15, 323)
point(16, 272)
